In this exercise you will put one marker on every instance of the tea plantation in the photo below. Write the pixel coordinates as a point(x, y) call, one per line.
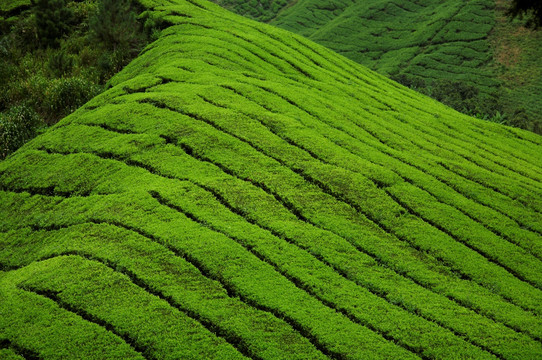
point(242, 192)
point(426, 39)
point(467, 54)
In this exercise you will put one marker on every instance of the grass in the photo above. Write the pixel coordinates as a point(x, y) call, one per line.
point(240, 191)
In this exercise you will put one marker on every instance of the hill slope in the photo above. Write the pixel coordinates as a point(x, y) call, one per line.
point(426, 45)
point(243, 192)
point(427, 39)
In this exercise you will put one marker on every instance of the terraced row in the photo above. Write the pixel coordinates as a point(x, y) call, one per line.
point(242, 192)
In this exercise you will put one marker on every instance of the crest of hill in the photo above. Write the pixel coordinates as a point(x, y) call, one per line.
point(240, 191)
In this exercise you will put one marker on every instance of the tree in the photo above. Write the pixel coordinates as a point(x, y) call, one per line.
point(52, 21)
point(525, 7)
point(115, 28)
point(115, 25)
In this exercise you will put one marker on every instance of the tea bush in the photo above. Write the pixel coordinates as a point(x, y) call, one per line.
point(242, 192)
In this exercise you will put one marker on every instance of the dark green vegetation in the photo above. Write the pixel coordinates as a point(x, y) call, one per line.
point(243, 192)
point(56, 55)
point(532, 9)
point(10, 6)
point(421, 38)
point(438, 48)
point(518, 52)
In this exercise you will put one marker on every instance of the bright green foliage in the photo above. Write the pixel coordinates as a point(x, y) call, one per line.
point(426, 39)
point(261, 10)
point(240, 191)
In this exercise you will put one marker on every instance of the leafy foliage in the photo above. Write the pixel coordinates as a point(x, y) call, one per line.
point(261, 10)
point(60, 63)
point(460, 96)
point(83, 44)
point(68, 94)
point(517, 62)
point(431, 42)
point(114, 25)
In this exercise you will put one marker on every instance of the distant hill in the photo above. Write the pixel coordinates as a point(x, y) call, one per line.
point(426, 39)
point(243, 192)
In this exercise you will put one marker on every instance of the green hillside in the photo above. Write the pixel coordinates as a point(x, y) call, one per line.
point(242, 192)
point(449, 50)
point(427, 39)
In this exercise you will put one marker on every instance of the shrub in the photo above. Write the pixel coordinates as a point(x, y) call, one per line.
point(66, 95)
point(30, 91)
point(153, 24)
point(60, 63)
point(456, 94)
point(23, 36)
point(7, 69)
point(412, 82)
point(499, 118)
point(459, 95)
point(532, 9)
point(115, 26)
point(520, 119)
point(6, 24)
point(111, 62)
point(17, 125)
